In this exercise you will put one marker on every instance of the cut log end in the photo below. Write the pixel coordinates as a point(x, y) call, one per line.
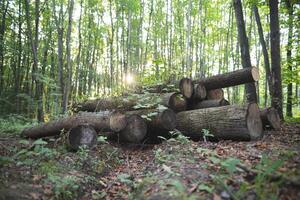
point(215, 94)
point(117, 121)
point(177, 102)
point(254, 122)
point(211, 103)
point(186, 87)
point(168, 119)
point(270, 117)
point(255, 73)
point(135, 130)
point(82, 135)
point(200, 92)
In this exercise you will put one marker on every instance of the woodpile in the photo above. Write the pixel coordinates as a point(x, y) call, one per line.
point(190, 106)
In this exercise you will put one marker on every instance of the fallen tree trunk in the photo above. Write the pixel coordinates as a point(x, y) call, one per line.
point(226, 122)
point(81, 135)
point(238, 77)
point(186, 87)
point(100, 121)
point(215, 94)
point(270, 118)
point(211, 103)
point(173, 100)
point(135, 130)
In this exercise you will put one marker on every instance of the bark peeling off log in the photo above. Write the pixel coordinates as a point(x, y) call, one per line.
point(186, 87)
point(135, 130)
point(81, 135)
point(227, 122)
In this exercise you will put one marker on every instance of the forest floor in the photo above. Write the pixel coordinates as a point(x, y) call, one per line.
point(175, 169)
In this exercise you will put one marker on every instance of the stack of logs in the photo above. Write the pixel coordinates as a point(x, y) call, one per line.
point(190, 107)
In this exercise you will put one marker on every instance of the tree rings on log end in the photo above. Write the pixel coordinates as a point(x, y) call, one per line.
point(117, 121)
point(168, 119)
point(177, 102)
point(254, 123)
point(255, 73)
point(186, 87)
point(270, 118)
point(135, 130)
point(82, 135)
point(215, 94)
point(200, 92)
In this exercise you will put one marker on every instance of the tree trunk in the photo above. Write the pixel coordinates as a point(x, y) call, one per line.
point(215, 94)
point(226, 122)
point(211, 103)
point(100, 121)
point(264, 48)
point(81, 135)
point(289, 103)
point(242, 76)
point(244, 46)
point(270, 118)
point(276, 100)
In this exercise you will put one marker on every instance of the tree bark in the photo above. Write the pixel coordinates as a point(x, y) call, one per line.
point(81, 135)
point(242, 76)
point(276, 100)
point(244, 46)
point(270, 118)
point(211, 103)
point(100, 121)
point(226, 122)
point(289, 103)
point(264, 48)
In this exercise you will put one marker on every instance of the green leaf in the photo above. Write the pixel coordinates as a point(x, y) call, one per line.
point(230, 164)
point(205, 188)
point(26, 142)
point(39, 142)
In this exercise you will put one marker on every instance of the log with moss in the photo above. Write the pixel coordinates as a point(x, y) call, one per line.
point(104, 121)
point(240, 123)
point(238, 77)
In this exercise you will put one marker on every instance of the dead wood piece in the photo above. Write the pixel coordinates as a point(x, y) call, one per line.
point(82, 135)
point(215, 94)
point(270, 118)
point(211, 103)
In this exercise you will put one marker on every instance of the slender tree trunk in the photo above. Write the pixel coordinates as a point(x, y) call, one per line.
point(289, 103)
point(276, 101)
point(245, 55)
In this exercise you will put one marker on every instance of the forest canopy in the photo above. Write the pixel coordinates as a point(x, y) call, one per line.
point(57, 52)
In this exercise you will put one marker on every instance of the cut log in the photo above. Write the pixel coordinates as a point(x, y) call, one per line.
point(172, 100)
point(238, 77)
point(215, 94)
point(231, 122)
point(186, 87)
point(81, 135)
point(100, 121)
point(157, 119)
point(135, 130)
point(211, 103)
point(270, 118)
point(199, 92)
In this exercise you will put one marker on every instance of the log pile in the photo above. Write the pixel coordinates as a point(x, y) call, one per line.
point(190, 106)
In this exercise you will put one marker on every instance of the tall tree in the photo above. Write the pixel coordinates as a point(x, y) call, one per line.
point(276, 101)
point(289, 103)
point(244, 48)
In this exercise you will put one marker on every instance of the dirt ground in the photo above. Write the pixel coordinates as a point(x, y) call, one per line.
point(175, 169)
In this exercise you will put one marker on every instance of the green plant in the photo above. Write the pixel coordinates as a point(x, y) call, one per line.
point(64, 187)
point(205, 134)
